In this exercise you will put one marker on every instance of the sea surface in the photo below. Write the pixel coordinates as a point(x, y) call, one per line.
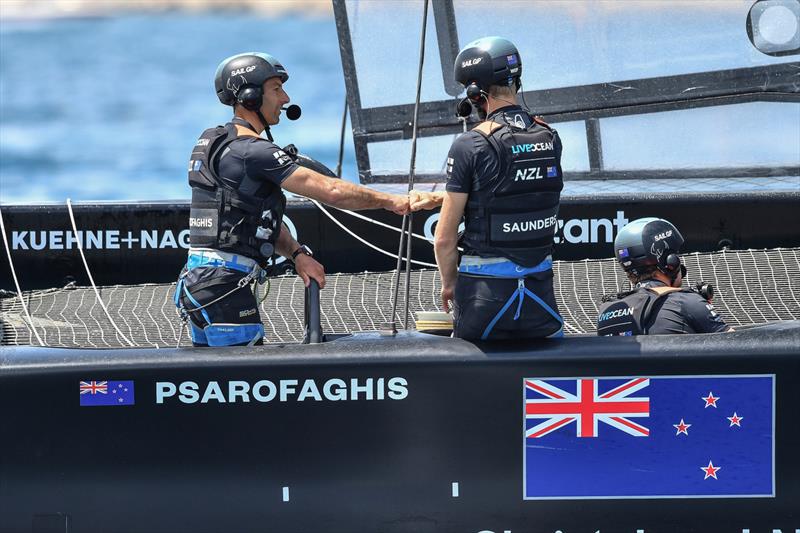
point(110, 108)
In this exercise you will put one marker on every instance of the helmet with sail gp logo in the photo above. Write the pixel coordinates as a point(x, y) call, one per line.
point(648, 243)
point(240, 78)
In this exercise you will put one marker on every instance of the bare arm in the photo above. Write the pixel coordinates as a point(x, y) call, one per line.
point(445, 243)
point(341, 193)
point(306, 266)
point(426, 200)
point(286, 244)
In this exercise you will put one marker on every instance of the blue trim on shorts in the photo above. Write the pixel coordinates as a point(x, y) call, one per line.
point(505, 269)
point(198, 334)
point(197, 260)
point(231, 334)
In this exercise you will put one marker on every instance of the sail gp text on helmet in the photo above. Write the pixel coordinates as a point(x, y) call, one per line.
point(575, 230)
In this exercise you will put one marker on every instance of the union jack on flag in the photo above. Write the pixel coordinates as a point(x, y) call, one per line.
point(586, 407)
point(106, 393)
point(94, 387)
point(706, 436)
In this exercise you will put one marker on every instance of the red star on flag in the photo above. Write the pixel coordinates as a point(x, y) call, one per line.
point(735, 420)
point(682, 428)
point(710, 470)
point(711, 400)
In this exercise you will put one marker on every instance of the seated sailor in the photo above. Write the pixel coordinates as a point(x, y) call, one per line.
point(504, 179)
point(647, 250)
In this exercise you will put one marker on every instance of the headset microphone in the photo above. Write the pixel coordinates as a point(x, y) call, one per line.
point(464, 108)
point(474, 94)
point(292, 112)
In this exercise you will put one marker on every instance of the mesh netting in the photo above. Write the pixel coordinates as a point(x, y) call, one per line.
point(751, 287)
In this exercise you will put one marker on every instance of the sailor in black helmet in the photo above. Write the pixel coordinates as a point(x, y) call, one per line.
point(647, 250)
point(504, 180)
point(236, 219)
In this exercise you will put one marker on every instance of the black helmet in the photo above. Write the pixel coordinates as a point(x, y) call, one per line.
point(246, 71)
point(486, 62)
point(649, 242)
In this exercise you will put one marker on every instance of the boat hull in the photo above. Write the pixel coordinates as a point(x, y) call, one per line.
point(407, 433)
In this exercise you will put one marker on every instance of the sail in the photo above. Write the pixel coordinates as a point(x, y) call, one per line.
point(636, 89)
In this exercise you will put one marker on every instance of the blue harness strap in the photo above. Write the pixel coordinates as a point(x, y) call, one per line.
point(196, 303)
point(520, 294)
point(223, 334)
point(217, 334)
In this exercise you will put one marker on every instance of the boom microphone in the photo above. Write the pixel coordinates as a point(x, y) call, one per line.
point(292, 112)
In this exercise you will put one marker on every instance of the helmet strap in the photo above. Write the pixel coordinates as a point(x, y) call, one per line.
point(266, 125)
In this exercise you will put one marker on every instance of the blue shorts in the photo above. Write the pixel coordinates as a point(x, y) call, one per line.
point(233, 320)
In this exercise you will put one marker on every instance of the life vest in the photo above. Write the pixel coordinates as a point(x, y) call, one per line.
point(630, 313)
point(516, 215)
point(223, 218)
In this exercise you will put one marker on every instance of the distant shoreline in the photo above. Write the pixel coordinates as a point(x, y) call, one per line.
point(11, 10)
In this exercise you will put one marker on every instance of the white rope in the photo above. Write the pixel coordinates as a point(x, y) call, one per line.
point(363, 241)
point(384, 252)
point(382, 224)
point(16, 282)
point(91, 280)
point(379, 223)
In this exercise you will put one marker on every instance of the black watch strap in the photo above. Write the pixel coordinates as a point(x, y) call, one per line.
point(302, 249)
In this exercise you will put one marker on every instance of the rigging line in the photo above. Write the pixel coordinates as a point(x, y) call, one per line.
point(377, 223)
point(413, 165)
point(341, 139)
point(91, 279)
point(364, 241)
point(16, 282)
point(408, 218)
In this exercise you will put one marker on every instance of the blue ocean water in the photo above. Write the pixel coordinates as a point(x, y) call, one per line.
point(109, 108)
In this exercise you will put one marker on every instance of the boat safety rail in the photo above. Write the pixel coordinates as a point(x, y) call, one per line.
point(313, 324)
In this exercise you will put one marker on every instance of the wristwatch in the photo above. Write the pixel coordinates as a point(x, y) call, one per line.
point(302, 249)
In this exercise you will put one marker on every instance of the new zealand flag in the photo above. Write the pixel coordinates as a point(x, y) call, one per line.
point(97, 393)
point(658, 437)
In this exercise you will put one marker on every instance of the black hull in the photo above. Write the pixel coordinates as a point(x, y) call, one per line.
point(354, 465)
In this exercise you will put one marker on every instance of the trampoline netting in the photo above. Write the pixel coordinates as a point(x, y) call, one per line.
point(751, 287)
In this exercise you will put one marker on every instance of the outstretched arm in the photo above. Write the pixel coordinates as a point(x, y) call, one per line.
point(342, 194)
point(426, 200)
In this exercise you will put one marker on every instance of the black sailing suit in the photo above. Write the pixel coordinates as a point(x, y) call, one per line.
point(510, 166)
point(235, 219)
